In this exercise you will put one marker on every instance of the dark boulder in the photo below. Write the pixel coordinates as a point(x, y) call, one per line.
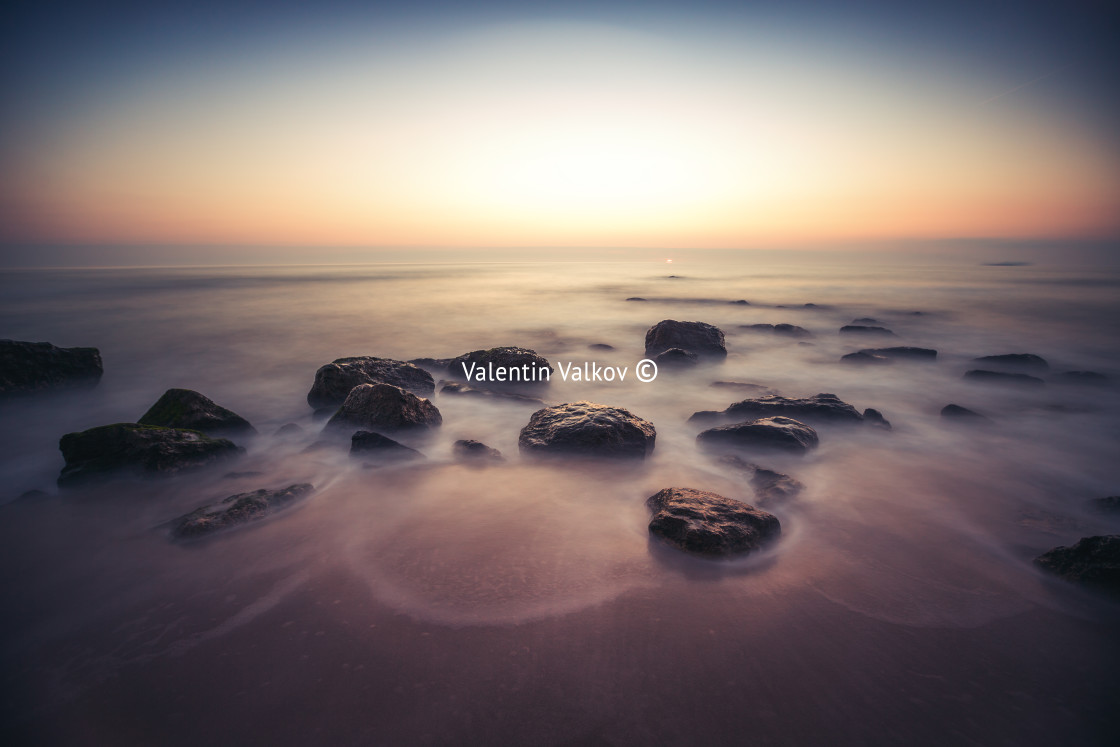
point(334, 381)
point(476, 451)
point(864, 358)
point(137, 449)
point(823, 407)
point(185, 408)
point(707, 524)
point(860, 329)
point(956, 412)
point(501, 367)
point(903, 352)
point(676, 358)
point(236, 510)
point(998, 377)
point(700, 338)
point(1021, 361)
point(378, 406)
point(432, 364)
point(1093, 561)
point(27, 367)
point(769, 486)
point(875, 419)
point(763, 434)
point(458, 388)
point(587, 429)
point(367, 444)
point(1082, 378)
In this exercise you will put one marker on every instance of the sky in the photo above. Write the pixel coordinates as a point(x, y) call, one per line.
point(706, 125)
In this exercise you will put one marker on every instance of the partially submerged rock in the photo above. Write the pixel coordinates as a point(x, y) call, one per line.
point(904, 352)
point(501, 367)
point(334, 381)
point(458, 388)
point(476, 451)
point(137, 449)
point(600, 346)
point(875, 419)
point(823, 407)
point(587, 429)
point(236, 510)
point(999, 377)
point(707, 524)
point(676, 358)
point(377, 406)
point(700, 338)
point(27, 367)
point(763, 434)
point(864, 358)
point(744, 385)
point(769, 486)
point(368, 444)
point(1021, 361)
point(1093, 561)
point(956, 412)
point(861, 329)
point(785, 330)
point(186, 408)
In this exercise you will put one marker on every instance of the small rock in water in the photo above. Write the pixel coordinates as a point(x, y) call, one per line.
point(501, 368)
point(101, 452)
point(370, 444)
point(998, 377)
point(956, 412)
point(186, 408)
point(700, 338)
point(864, 358)
point(676, 358)
point(865, 320)
point(459, 388)
point(875, 419)
point(236, 510)
point(824, 407)
point(377, 406)
point(786, 330)
point(707, 524)
point(769, 486)
point(476, 451)
point(600, 346)
point(289, 430)
point(587, 429)
point(635, 298)
point(904, 352)
point(741, 385)
point(1022, 361)
point(1093, 561)
point(334, 381)
point(859, 329)
point(27, 367)
point(740, 302)
point(763, 434)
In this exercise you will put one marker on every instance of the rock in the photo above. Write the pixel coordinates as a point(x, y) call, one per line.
point(1022, 361)
point(600, 346)
point(137, 449)
point(905, 352)
point(635, 298)
point(864, 358)
point(457, 388)
point(823, 407)
point(695, 337)
point(769, 486)
point(334, 381)
point(1082, 378)
point(1109, 505)
point(378, 406)
point(760, 388)
point(740, 302)
point(875, 419)
point(770, 434)
point(786, 330)
point(236, 510)
point(675, 358)
point(998, 377)
point(434, 364)
point(708, 524)
point(956, 412)
point(27, 367)
point(1093, 561)
point(501, 367)
point(476, 451)
point(859, 329)
point(289, 430)
point(369, 444)
point(588, 429)
point(865, 320)
point(185, 408)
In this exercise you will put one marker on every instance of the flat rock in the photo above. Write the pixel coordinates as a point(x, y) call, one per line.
point(475, 451)
point(700, 338)
point(587, 429)
point(383, 448)
point(242, 508)
point(864, 358)
point(763, 434)
point(137, 449)
point(1093, 561)
point(865, 320)
point(769, 486)
point(861, 329)
point(27, 367)
point(999, 377)
point(600, 346)
point(743, 385)
point(378, 406)
point(501, 367)
point(956, 412)
point(676, 358)
point(707, 524)
point(903, 352)
point(186, 408)
point(823, 407)
point(1021, 361)
point(334, 381)
point(785, 330)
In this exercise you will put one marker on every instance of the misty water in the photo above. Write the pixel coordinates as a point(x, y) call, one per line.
point(524, 602)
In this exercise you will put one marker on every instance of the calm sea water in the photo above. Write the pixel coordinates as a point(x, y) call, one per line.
point(525, 603)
